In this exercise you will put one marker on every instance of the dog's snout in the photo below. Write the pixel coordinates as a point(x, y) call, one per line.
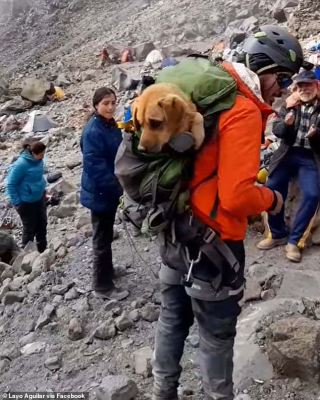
point(141, 148)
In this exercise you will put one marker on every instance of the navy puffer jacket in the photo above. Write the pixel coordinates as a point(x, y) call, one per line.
point(100, 189)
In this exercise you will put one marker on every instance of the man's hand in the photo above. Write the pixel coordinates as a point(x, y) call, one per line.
point(312, 132)
point(289, 119)
point(279, 204)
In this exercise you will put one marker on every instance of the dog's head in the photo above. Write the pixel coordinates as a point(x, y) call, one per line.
point(160, 115)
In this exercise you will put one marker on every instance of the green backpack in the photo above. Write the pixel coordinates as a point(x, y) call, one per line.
point(156, 185)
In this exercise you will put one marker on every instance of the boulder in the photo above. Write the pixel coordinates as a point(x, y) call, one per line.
point(120, 78)
point(29, 338)
point(88, 75)
point(249, 24)
point(33, 348)
point(293, 348)
point(13, 297)
point(142, 361)
point(235, 35)
point(172, 50)
point(34, 89)
point(105, 331)
point(3, 267)
point(62, 80)
point(75, 330)
point(252, 291)
point(279, 15)
point(298, 284)
point(142, 50)
point(77, 5)
point(84, 219)
point(54, 176)
point(117, 387)
point(35, 286)
point(150, 313)
point(63, 211)
point(73, 163)
point(72, 199)
point(62, 187)
point(28, 261)
point(53, 363)
point(123, 322)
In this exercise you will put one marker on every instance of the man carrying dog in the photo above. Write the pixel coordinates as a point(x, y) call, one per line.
point(298, 156)
point(209, 237)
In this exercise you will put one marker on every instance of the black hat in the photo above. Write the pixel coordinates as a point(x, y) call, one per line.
point(306, 77)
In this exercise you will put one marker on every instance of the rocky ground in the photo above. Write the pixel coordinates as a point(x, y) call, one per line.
point(54, 335)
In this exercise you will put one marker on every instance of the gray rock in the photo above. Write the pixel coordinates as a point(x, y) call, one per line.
point(235, 35)
point(117, 387)
point(17, 283)
point(252, 291)
point(123, 322)
point(62, 252)
point(280, 15)
point(75, 330)
point(13, 297)
point(157, 298)
point(194, 340)
point(43, 320)
point(139, 303)
point(54, 176)
point(298, 284)
point(28, 261)
point(4, 365)
point(73, 163)
point(18, 262)
point(72, 199)
point(4, 290)
point(63, 211)
point(293, 347)
point(110, 305)
point(142, 361)
point(250, 362)
point(62, 80)
point(29, 338)
point(44, 262)
point(8, 273)
point(31, 247)
point(249, 24)
point(61, 289)
point(88, 75)
point(150, 313)
point(3, 267)
point(142, 50)
point(81, 305)
point(84, 219)
point(172, 50)
point(56, 243)
point(243, 397)
point(105, 331)
point(120, 271)
point(127, 344)
point(33, 348)
point(35, 286)
point(72, 294)
point(134, 315)
point(63, 187)
point(53, 363)
point(120, 78)
point(268, 294)
point(49, 310)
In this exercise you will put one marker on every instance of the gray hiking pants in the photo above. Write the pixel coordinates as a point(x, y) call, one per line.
point(217, 329)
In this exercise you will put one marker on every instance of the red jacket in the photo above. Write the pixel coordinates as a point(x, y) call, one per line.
point(236, 156)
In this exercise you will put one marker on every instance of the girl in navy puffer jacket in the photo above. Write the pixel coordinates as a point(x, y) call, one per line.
point(100, 190)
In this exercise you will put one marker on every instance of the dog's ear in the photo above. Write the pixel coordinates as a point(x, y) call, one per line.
point(134, 111)
point(172, 105)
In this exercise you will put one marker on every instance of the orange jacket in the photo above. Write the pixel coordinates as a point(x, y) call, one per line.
point(236, 156)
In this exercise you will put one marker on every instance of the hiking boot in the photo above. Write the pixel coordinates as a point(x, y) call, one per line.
point(293, 253)
point(267, 244)
point(116, 293)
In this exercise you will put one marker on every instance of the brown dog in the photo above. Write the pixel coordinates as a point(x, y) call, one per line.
point(162, 111)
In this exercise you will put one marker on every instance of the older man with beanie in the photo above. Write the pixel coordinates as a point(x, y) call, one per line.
point(298, 127)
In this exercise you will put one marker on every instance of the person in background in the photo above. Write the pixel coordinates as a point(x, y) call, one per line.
point(297, 156)
point(25, 187)
point(100, 190)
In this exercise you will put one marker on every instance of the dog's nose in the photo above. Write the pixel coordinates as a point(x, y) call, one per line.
point(141, 148)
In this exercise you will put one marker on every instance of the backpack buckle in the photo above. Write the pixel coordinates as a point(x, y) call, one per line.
point(209, 235)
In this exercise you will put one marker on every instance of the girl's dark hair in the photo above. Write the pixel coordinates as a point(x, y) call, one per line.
point(100, 94)
point(35, 147)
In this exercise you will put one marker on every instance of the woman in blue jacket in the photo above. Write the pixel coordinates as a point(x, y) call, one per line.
point(25, 187)
point(100, 190)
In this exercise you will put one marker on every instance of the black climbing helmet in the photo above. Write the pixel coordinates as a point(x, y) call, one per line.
point(278, 44)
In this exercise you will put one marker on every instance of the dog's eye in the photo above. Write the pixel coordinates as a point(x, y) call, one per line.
point(154, 124)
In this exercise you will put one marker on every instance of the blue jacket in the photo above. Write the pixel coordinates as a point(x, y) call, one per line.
point(25, 182)
point(100, 189)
